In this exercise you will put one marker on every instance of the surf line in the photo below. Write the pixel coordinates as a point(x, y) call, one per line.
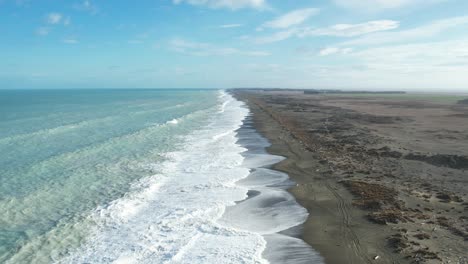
point(269, 210)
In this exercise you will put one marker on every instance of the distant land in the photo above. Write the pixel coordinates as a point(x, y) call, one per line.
point(321, 91)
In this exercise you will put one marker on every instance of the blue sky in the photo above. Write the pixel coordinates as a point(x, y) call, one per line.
point(419, 45)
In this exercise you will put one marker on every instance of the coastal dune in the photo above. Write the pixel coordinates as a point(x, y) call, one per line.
point(384, 178)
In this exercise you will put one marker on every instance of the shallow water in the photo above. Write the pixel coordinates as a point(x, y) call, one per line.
point(145, 176)
point(63, 154)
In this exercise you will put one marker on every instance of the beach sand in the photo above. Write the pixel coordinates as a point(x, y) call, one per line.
point(384, 179)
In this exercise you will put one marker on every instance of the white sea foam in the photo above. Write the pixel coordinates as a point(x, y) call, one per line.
point(270, 210)
point(174, 121)
point(173, 216)
point(290, 250)
point(211, 202)
point(225, 103)
point(262, 177)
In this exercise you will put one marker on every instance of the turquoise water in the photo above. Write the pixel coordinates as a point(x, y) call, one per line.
point(65, 153)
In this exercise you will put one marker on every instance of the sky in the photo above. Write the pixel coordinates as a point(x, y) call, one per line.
point(416, 45)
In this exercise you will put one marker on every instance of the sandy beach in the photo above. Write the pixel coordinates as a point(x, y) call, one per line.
point(384, 178)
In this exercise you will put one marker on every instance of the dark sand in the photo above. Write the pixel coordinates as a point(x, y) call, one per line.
point(385, 179)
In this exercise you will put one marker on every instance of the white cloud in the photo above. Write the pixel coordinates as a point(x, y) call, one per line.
point(231, 26)
point(352, 30)
point(417, 57)
point(421, 33)
point(290, 19)
point(54, 18)
point(334, 50)
point(375, 5)
point(231, 4)
point(42, 31)
point(206, 49)
point(421, 65)
point(418, 33)
point(431, 65)
point(339, 30)
point(328, 51)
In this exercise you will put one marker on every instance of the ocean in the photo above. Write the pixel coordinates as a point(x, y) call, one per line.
point(140, 176)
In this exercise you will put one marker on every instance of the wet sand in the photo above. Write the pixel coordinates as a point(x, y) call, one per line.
point(385, 179)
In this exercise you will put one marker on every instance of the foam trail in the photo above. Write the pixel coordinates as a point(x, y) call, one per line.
point(289, 250)
point(262, 177)
point(269, 210)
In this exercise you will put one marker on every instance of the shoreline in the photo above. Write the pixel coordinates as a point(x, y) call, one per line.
point(341, 225)
point(173, 215)
point(283, 144)
point(269, 210)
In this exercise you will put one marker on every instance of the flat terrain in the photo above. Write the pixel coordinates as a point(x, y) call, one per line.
point(385, 178)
